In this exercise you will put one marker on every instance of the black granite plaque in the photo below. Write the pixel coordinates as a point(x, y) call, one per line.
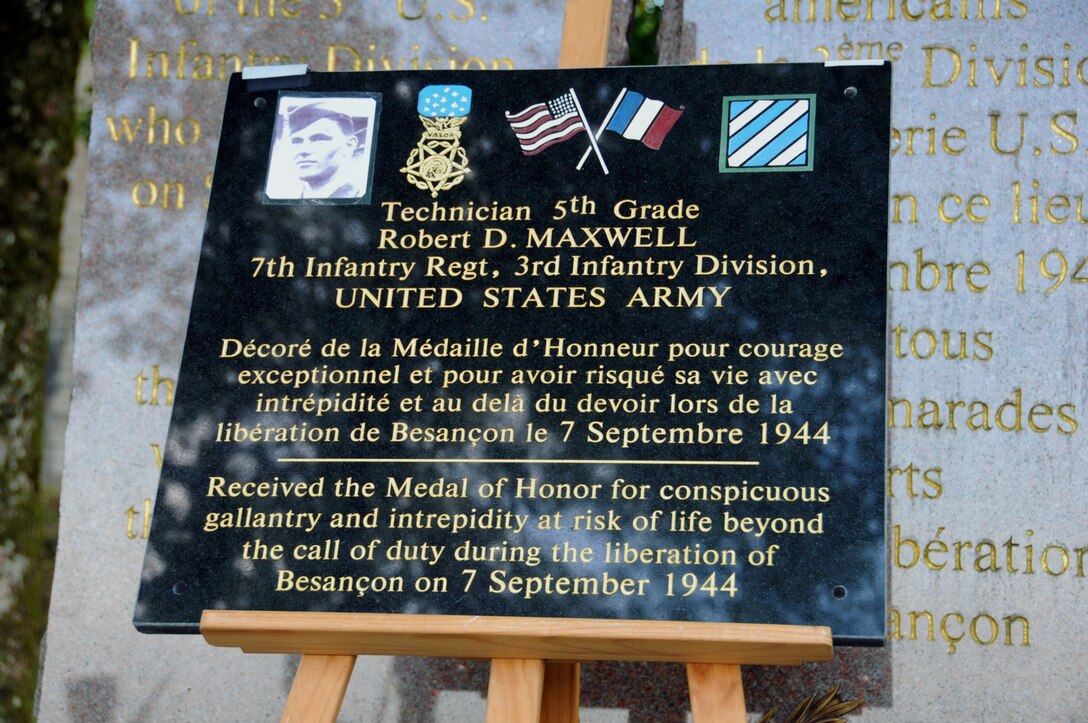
point(598, 343)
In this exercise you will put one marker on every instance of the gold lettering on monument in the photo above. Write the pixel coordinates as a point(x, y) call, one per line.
point(983, 628)
point(152, 390)
point(148, 388)
point(813, 11)
point(1028, 205)
point(195, 60)
point(153, 128)
point(138, 522)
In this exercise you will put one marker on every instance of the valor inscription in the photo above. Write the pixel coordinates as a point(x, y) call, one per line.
point(610, 344)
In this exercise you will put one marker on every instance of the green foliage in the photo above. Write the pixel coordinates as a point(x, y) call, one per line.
point(83, 113)
point(643, 39)
point(38, 128)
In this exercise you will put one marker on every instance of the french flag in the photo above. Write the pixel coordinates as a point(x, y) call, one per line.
point(638, 118)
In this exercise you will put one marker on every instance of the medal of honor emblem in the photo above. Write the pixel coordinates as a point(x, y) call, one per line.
point(438, 162)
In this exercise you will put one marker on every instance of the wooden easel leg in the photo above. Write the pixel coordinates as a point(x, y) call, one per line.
point(513, 693)
point(318, 690)
point(716, 693)
point(584, 43)
point(562, 685)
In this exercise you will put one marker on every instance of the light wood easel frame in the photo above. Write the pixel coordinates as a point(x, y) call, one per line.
point(534, 661)
point(534, 670)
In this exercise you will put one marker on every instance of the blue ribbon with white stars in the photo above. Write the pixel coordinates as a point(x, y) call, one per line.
point(444, 101)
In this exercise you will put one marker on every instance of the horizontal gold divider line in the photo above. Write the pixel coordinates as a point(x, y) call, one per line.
point(719, 463)
point(462, 636)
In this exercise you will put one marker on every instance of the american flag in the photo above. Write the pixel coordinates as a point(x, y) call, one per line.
point(542, 125)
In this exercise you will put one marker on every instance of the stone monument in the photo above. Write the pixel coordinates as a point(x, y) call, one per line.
point(987, 284)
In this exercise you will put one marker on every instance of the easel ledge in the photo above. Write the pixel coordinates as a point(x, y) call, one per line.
point(462, 636)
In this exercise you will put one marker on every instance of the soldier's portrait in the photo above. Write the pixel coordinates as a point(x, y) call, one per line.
point(322, 149)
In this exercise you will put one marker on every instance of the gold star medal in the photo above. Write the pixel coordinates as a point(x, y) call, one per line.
point(438, 162)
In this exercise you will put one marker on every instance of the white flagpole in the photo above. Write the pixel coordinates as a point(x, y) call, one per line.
point(604, 124)
point(592, 139)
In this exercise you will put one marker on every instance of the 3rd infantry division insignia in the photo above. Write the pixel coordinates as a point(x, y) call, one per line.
point(438, 162)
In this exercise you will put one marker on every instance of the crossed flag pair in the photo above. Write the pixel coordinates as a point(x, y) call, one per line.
point(633, 115)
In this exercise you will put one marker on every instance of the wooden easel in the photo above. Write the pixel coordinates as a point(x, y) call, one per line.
point(534, 668)
point(535, 675)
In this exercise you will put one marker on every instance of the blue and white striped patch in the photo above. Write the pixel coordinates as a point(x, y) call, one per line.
point(767, 133)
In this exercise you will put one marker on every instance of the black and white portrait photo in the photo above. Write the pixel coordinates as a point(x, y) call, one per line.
point(323, 148)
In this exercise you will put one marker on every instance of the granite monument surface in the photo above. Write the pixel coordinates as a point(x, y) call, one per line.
point(987, 279)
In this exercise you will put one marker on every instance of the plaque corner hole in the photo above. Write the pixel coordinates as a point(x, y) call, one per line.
point(260, 103)
point(179, 588)
point(839, 592)
point(850, 92)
